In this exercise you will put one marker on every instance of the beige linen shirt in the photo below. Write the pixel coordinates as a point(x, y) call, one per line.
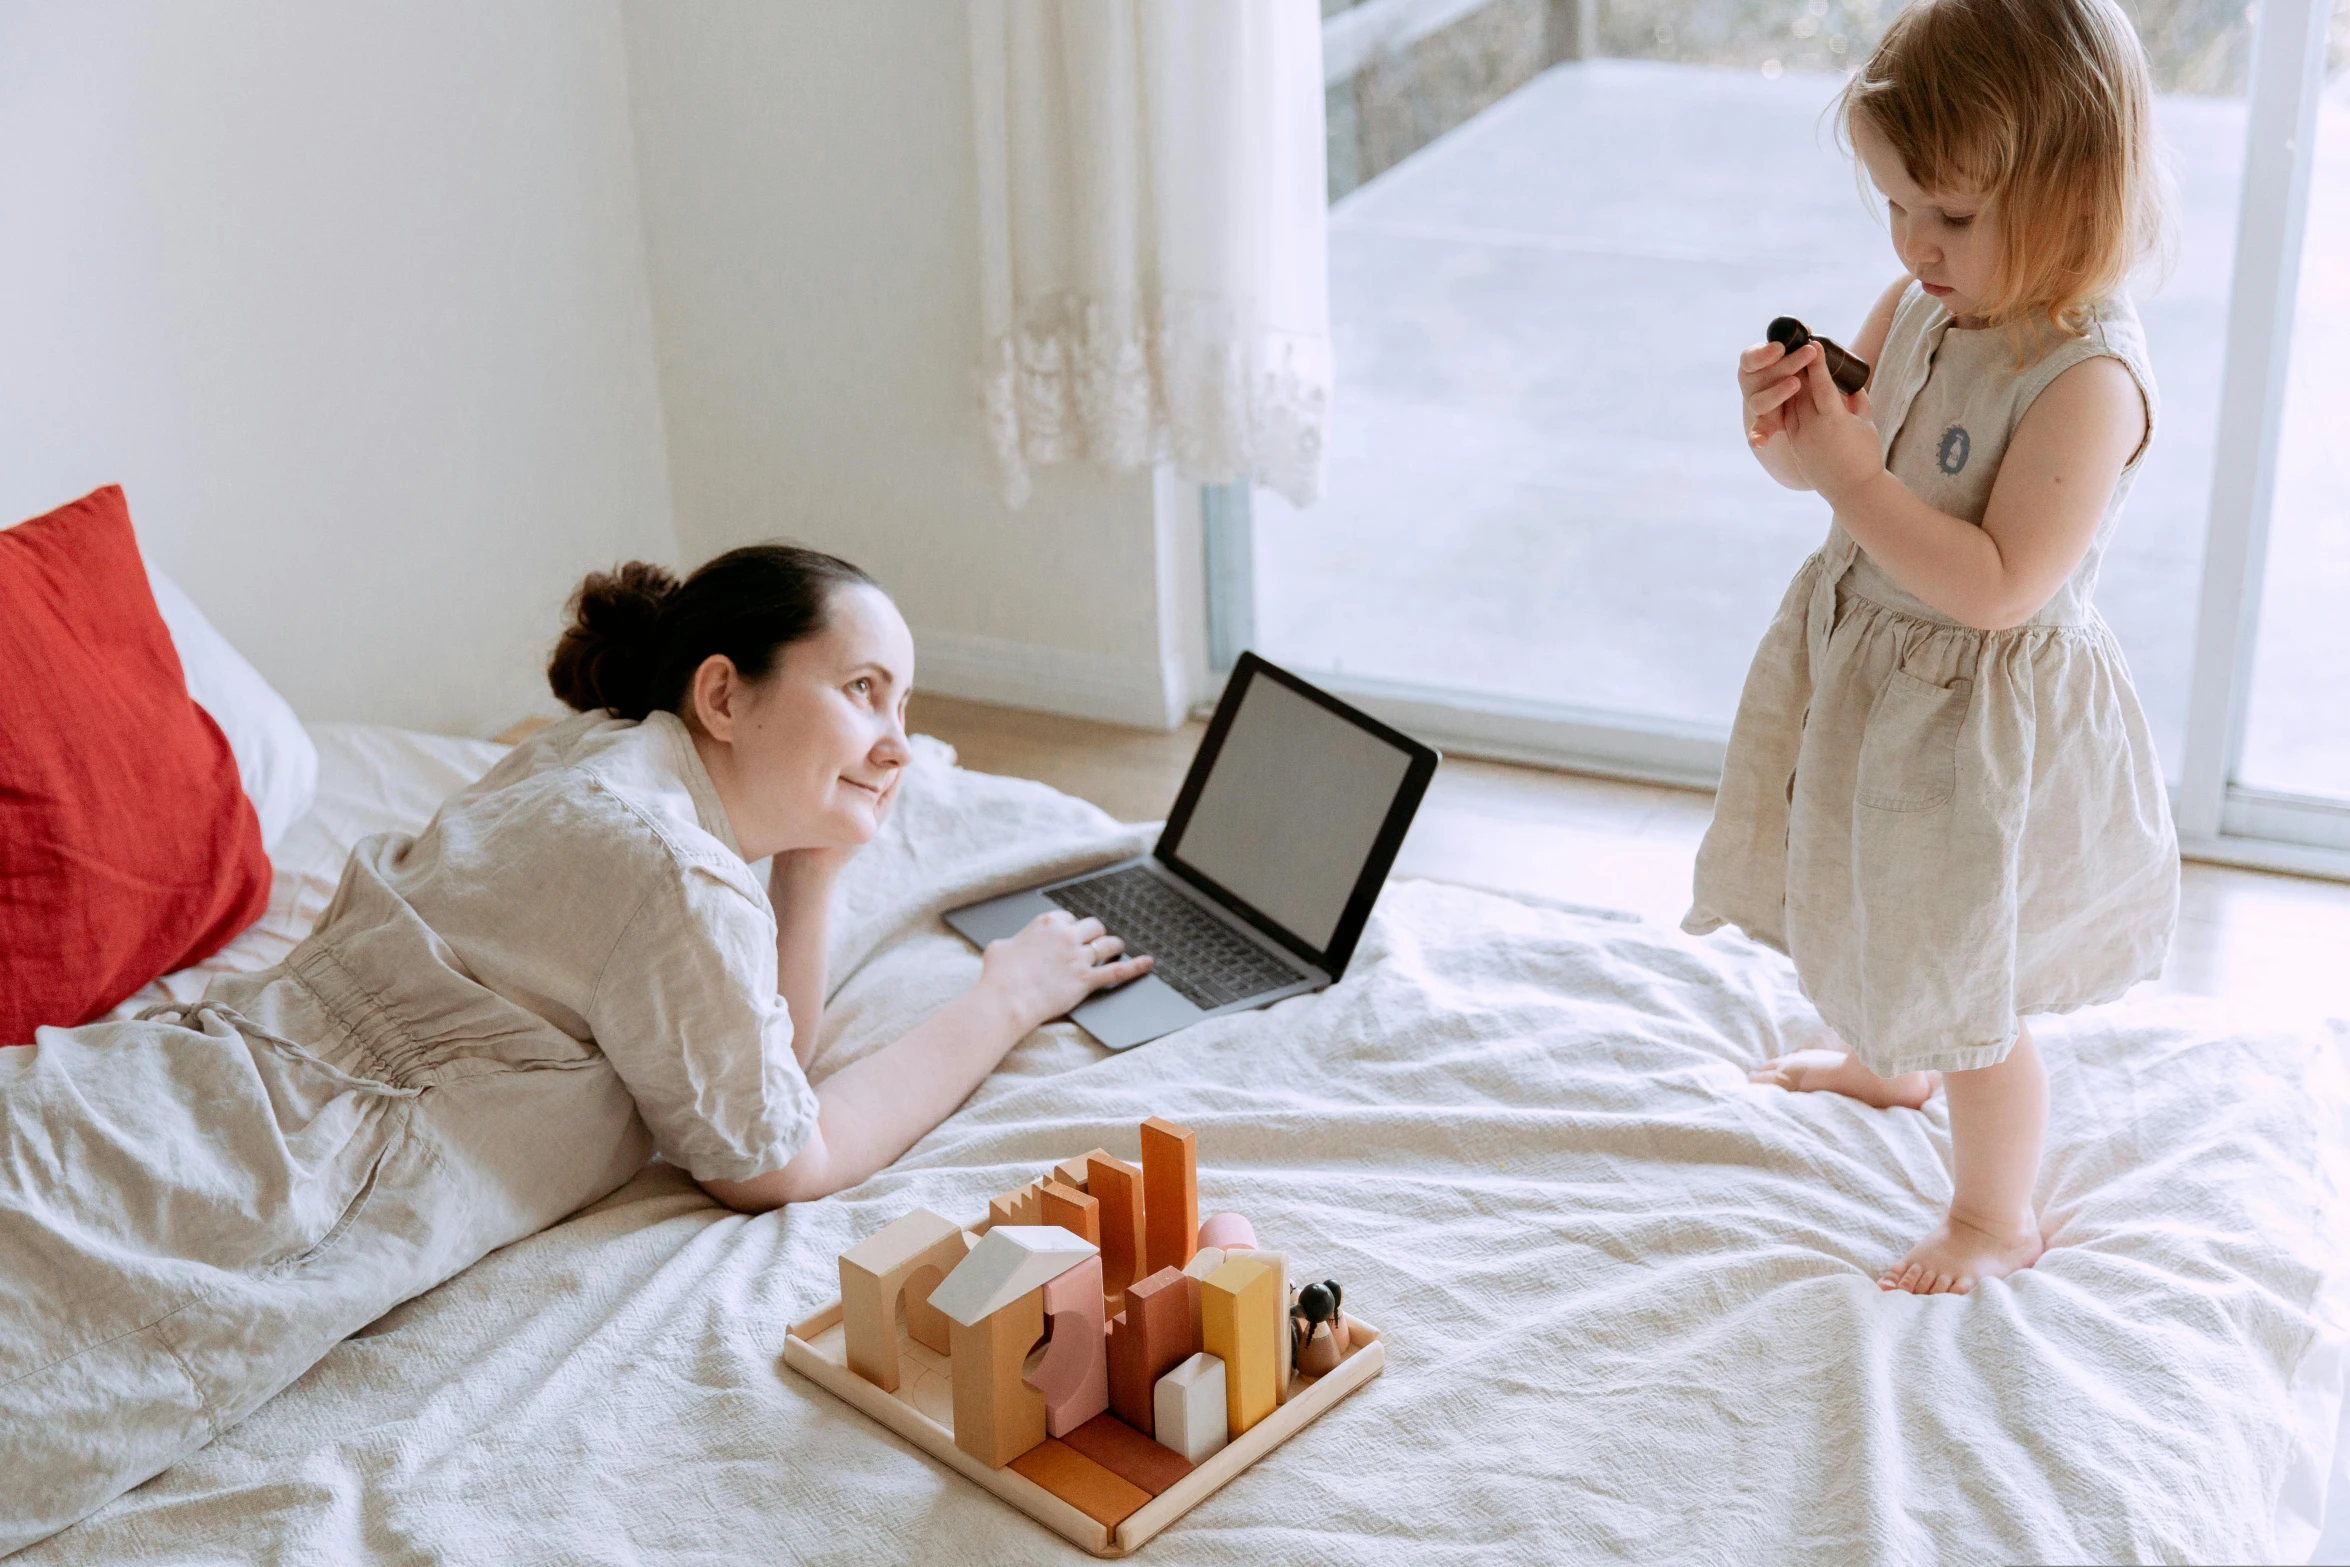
point(592, 877)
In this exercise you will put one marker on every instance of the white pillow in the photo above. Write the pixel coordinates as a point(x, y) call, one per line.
point(275, 758)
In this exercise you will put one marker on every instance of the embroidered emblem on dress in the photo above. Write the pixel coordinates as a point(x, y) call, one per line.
point(1952, 454)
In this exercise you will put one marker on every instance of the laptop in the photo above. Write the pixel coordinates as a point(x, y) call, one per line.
point(1263, 879)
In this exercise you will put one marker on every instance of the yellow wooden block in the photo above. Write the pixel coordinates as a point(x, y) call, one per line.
point(1240, 1324)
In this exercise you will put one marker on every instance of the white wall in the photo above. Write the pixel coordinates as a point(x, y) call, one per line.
point(351, 299)
point(811, 225)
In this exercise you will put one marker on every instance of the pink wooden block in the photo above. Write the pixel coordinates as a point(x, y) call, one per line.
point(1074, 1375)
point(1229, 1231)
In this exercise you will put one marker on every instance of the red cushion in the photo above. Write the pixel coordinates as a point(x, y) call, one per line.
point(127, 846)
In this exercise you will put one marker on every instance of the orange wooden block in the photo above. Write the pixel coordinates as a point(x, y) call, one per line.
point(1117, 1186)
point(1170, 1194)
point(1128, 1454)
point(1074, 1172)
point(1152, 1336)
point(886, 1279)
point(1073, 1211)
point(1082, 1483)
point(998, 1416)
point(1021, 1205)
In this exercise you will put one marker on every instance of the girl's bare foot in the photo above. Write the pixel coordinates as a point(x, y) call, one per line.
point(1836, 1072)
point(1959, 1254)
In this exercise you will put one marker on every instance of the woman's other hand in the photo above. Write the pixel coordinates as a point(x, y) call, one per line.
point(793, 869)
point(1769, 379)
point(1056, 961)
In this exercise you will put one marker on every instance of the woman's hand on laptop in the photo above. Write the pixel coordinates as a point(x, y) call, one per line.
point(1056, 961)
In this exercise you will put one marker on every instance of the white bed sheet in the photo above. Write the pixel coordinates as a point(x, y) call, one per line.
point(1627, 1295)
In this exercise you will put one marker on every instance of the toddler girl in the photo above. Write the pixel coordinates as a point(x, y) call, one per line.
point(1940, 797)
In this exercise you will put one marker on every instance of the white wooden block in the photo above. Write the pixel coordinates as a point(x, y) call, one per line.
point(1009, 1261)
point(1187, 1408)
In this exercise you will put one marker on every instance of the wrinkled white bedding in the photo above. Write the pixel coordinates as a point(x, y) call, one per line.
point(1627, 1296)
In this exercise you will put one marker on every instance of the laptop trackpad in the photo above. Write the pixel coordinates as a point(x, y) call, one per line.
point(1133, 1013)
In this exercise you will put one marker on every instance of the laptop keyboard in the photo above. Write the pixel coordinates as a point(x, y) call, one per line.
point(1202, 958)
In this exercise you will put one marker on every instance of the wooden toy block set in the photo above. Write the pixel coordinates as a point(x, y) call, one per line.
point(1091, 1352)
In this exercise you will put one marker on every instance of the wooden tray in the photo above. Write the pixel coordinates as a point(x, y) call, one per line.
point(816, 1349)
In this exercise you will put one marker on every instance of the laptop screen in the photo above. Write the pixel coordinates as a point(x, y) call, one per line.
point(1291, 808)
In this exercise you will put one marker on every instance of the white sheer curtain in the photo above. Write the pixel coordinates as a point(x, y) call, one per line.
point(1152, 231)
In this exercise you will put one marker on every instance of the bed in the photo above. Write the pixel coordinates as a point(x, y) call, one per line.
point(1627, 1296)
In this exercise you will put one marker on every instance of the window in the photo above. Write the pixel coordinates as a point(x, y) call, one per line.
point(2297, 731)
point(1541, 534)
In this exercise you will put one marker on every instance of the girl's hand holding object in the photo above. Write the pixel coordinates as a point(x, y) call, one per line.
point(1768, 375)
point(1831, 436)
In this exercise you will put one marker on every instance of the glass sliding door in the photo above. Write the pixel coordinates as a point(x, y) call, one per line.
point(1542, 535)
point(2297, 723)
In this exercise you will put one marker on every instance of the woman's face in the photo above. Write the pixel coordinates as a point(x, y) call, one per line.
point(809, 757)
point(1949, 240)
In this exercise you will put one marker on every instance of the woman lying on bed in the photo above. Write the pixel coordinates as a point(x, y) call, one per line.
point(494, 1024)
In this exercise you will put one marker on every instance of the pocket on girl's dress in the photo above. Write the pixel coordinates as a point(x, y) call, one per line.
point(1909, 750)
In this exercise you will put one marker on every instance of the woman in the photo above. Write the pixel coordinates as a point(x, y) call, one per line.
point(494, 1024)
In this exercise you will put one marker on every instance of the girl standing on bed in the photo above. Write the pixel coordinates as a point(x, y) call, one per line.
point(1940, 797)
point(494, 1025)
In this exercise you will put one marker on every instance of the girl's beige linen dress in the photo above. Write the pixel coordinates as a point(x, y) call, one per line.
point(1946, 827)
point(494, 1024)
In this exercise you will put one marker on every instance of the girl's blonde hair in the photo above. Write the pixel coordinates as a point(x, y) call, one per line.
point(2043, 108)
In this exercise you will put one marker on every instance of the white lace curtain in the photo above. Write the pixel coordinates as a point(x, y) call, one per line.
point(1152, 232)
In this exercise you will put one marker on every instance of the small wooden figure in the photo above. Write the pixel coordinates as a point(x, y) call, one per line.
point(1149, 1338)
point(1318, 1328)
point(1117, 1186)
point(1227, 1232)
point(1189, 1404)
point(891, 1274)
point(1073, 1211)
point(1074, 1375)
point(1170, 1199)
point(1848, 370)
point(1073, 1173)
point(1240, 1318)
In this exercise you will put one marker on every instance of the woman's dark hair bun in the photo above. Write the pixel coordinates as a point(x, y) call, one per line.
point(606, 655)
point(637, 634)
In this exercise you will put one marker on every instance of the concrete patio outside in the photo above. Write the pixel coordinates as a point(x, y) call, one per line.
point(1537, 485)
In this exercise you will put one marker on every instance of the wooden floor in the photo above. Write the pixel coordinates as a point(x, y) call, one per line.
point(1595, 843)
